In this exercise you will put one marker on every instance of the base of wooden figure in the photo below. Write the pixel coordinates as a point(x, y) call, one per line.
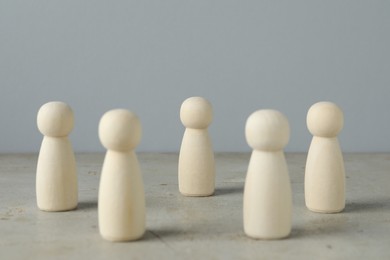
point(197, 195)
point(57, 210)
point(325, 211)
point(122, 239)
point(267, 238)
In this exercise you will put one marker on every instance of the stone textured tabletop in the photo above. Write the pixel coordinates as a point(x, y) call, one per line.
point(181, 227)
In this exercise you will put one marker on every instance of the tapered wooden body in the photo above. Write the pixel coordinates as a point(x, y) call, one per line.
point(56, 179)
point(121, 206)
point(267, 196)
point(196, 164)
point(325, 176)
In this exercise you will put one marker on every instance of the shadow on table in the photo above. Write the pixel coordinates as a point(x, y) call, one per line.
point(319, 229)
point(221, 191)
point(160, 234)
point(379, 204)
point(87, 205)
point(296, 233)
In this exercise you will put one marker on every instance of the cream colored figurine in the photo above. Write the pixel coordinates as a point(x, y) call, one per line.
point(267, 193)
point(121, 205)
point(56, 180)
point(196, 160)
point(325, 176)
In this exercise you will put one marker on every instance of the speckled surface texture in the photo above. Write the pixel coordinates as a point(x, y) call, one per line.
point(181, 227)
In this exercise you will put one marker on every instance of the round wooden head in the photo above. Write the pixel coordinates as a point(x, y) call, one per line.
point(120, 130)
point(267, 130)
point(55, 119)
point(325, 119)
point(196, 112)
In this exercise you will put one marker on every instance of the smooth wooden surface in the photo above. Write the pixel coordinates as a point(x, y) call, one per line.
point(325, 173)
point(179, 227)
point(196, 167)
point(121, 198)
point(267, 204)
point(56, 182)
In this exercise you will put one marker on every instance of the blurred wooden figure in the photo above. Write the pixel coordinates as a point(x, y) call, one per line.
point(56, 179)
point(325, 174)
point(121, 205)
point(196, 159)
point(267, 194)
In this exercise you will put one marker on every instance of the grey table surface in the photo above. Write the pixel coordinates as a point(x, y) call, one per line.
point(181, 227)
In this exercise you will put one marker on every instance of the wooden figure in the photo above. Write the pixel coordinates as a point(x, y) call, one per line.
point(121, 205)
point(56, 178)
point(325, 174)
point(196, 159)
point(267, 193)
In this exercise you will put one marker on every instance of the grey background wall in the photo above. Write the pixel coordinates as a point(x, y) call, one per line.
point(148, 56)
